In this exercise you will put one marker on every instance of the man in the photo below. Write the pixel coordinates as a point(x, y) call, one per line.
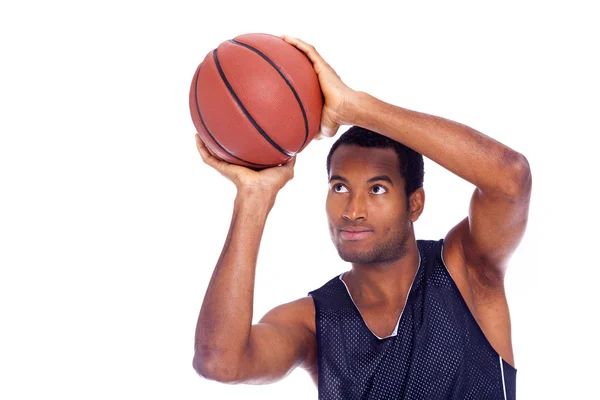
point(411, 319)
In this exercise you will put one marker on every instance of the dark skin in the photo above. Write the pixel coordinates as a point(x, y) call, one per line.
point(366, 193)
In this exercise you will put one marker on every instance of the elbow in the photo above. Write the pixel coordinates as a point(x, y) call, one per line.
point(215, 369)
point(519, 184)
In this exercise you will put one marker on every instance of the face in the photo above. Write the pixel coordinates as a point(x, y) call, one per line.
point(370, 217)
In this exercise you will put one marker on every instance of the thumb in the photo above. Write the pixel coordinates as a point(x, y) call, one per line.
point(328, 127)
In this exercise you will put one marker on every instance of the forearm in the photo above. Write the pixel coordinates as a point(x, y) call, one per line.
point(225, 318)
point(475, 157)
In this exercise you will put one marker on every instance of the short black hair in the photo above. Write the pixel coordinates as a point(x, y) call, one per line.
point(411, 162)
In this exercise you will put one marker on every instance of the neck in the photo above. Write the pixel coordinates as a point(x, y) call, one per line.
point(384, 284)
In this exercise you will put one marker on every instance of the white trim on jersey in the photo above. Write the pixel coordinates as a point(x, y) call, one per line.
point(395, 332)
point(501, 365)
point(503, 383)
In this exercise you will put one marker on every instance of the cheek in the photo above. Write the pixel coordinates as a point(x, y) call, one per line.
point(332, 207)
point(391, 220)
point(389, 209)
point(331, 220)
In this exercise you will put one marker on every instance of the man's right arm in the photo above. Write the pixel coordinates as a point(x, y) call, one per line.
point(228, 348)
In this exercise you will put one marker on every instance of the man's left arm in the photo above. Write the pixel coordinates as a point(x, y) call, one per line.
point(500, 203)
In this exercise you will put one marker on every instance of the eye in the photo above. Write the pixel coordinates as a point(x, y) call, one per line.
point(378, 189)
point(339, 188)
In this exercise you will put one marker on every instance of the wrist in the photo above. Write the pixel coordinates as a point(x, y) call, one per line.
point(257, 198)
point(372, 113)
point(354, 107)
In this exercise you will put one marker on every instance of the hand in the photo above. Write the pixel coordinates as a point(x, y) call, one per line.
point(269, 180)
point(339, 98)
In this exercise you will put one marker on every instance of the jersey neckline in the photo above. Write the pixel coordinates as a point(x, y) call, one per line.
point(395, 331)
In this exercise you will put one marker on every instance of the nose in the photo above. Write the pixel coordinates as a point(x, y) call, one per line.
point(356, 208)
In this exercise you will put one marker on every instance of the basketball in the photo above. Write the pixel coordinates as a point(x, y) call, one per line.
point(255, 101)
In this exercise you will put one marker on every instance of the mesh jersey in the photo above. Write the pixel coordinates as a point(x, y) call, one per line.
point(437, 351)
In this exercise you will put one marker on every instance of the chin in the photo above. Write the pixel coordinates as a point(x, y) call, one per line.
point(389, 252)
point(356, 256)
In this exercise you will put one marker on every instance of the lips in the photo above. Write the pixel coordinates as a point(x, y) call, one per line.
point(354, 233)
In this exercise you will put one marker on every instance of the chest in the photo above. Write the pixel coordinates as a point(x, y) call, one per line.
point(381, 321)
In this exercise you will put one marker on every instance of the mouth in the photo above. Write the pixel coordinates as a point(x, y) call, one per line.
point(354, 234)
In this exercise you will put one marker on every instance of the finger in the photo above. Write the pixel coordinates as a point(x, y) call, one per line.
point(207, 157)
point(201, 148)
point(325, 132)
point(327, 128)
point(291, 162)
point(306, 48)
point(212, 153)
point(288, 167)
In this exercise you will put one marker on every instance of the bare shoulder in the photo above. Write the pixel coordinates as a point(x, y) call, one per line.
point(484, 294)
point(298, 312)
point(453, 256)
point(299, 316)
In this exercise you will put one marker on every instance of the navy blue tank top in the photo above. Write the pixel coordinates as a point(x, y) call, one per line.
point(438, 351)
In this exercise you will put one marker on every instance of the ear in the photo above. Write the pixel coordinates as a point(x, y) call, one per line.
point(416, 203)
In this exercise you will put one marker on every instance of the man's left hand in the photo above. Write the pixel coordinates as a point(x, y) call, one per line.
point(340, 99)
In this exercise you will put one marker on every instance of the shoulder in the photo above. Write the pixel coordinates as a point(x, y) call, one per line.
point(327, 290)
point(429, 248)
point(297, 312)
point(455, 257)
point(299, 315)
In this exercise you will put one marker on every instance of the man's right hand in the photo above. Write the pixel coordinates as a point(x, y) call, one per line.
point(269, 180)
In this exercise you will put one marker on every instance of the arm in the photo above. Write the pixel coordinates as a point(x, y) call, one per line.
point(500, 203)
point(499, 206)
point(227, 347)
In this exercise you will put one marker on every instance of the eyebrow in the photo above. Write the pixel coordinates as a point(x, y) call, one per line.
point(338, 178)
point(384, 178)
point(381, 178)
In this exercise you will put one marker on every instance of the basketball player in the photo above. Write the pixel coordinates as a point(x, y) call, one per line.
point(412, 319)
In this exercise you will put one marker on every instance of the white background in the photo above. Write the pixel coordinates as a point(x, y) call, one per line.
point(110, 225)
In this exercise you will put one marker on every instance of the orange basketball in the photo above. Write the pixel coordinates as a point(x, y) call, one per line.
point(256, 101)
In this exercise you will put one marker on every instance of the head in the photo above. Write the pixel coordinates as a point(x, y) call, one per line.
point(375, 195)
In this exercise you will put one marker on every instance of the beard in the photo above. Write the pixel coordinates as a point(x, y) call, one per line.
point(393, 249)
